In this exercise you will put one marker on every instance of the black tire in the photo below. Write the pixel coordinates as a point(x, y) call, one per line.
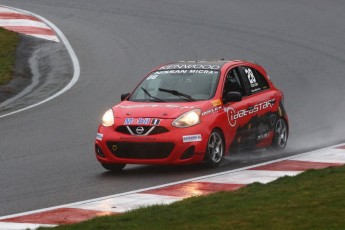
point(113, 167)
point(215, 149)
point(280, 134)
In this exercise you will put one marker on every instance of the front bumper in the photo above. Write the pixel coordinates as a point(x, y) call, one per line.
point(173, 146)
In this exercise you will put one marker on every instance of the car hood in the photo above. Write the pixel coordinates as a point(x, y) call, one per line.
point(156, 110)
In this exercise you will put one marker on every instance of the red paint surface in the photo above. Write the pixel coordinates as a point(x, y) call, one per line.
point(58, 216)
point(290, 165)
point(17, 16)
point(30, 30)
point(194, 189)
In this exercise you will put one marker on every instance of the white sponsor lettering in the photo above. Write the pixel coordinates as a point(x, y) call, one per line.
point(99, 136)
point(233, 115)
point(263, 136)
point(194, 66)
point(251, 77)
point(210, 111)
point(192, 138)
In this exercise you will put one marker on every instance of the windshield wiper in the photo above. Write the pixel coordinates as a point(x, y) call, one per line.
point(150, 96)
point(177, 93)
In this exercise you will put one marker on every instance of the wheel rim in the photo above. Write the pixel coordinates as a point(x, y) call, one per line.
point(215, 147)
point(281, 133)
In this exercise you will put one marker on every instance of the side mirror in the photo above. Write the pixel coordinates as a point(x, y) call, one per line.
point(124, 96)
point(233, 97)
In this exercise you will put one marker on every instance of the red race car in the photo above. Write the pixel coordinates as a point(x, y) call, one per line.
point(193, 111)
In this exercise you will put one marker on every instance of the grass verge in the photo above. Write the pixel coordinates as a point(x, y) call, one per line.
point(8, 44)
point(312, 200)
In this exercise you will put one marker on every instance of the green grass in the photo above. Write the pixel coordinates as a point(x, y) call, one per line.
point(8, 44)
point(312, 200)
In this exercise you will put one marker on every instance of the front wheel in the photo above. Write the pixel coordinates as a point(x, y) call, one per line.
point(113, 167)
point(280, 134)
point(215, 148)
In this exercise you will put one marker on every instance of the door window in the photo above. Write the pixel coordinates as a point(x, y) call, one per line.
point(233, 83)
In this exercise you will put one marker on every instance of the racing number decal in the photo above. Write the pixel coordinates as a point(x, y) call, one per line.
point(251, 77)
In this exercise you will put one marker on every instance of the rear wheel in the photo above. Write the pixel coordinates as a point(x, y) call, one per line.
point(113, 167)
point(280, 134)
point(215, 148)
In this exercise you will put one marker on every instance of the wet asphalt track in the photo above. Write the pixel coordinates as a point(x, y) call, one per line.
point(47, 154)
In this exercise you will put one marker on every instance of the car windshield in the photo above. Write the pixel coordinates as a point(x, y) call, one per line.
point(177, 85)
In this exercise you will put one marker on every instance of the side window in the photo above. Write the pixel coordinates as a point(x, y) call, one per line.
point(233, 82)
point(254, 79)
point(262, 80)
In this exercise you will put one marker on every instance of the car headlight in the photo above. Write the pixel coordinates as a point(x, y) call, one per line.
point(108, 118)
point(188, 119)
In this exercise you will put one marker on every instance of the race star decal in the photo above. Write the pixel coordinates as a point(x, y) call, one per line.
point(233, 115)
point(192, 138)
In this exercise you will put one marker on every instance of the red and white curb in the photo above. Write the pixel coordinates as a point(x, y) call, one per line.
point(26, 23)
point(58, 36)
point(169, 193)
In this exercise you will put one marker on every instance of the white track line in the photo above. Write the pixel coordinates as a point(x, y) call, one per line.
point(16, 226)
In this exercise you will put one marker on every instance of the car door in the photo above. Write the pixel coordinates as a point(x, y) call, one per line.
point(238, 115)
point(260, 101)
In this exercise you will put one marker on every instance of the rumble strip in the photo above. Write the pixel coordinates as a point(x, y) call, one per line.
point(26, 23)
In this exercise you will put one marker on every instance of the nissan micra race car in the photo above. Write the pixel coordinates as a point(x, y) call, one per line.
point(193, 111)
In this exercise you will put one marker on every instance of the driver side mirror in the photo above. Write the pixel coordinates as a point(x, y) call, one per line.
point(124, 96)
point(233, 97)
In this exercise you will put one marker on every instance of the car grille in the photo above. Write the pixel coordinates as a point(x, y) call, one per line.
point(143, 130)
point(132, 150)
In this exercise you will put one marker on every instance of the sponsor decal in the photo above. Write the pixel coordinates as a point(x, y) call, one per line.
point(203, 71)
point(234, 115)
point(263, 136)
point(138, 121)
point(155, 121)
point(216, 103)
point(129, 121)
point(143, 121)
point(190, 66)
point(179, 72)
point(210, 111)
point(138, 138)
point(155, 106)
point(251, 78)
point(192, 138)
point(99, 136)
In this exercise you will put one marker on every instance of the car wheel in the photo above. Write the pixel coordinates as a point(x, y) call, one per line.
point(215, 148)
point(113, 167)
point(280, 134)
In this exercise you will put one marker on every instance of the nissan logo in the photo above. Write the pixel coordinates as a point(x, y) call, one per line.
point(139, 130)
